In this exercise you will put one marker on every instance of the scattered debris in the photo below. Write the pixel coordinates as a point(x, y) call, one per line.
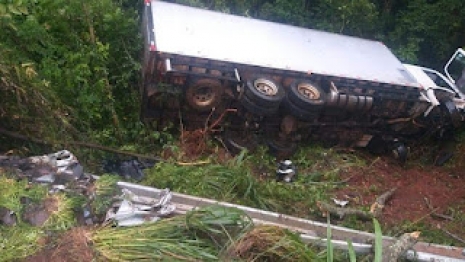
point(128, 169)
point(271, 243)
point(134, 210)
point(435, 214)
point(57, 168)
point(341, 203)
point(340, 212)
point(286, 172)
point(203, 233)
point(7, 217)
point(375, 210)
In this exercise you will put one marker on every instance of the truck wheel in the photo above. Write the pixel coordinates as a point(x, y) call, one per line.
point(264, 92)
point(306, 95)
point(258, 109)
point(204, 94)
point(299, 113)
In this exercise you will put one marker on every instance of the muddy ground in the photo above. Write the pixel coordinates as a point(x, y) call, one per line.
point(428, 198)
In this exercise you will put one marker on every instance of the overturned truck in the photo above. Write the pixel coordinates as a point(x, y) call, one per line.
point(282, 85)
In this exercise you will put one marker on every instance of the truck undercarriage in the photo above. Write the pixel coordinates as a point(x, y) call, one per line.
point(281, 109)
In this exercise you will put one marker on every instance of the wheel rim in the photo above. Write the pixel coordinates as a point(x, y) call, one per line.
point(308, 91)
point(203, 96)
point(266, 87)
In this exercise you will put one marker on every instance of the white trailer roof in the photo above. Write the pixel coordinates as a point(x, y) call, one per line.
point(196, 32)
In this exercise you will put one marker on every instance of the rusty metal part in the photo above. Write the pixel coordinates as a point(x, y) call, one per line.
point(204, 94)
point(265, 87)
point(308, 90)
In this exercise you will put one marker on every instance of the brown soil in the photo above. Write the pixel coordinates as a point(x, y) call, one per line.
point(72, 246)
point(442, 187)
point(38, 214)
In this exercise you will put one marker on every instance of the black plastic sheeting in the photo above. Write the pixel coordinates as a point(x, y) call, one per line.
point(128, 169)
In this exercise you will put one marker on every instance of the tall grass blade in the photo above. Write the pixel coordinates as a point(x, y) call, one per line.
point(378, 241)
point(351, 250)
point(329, 244)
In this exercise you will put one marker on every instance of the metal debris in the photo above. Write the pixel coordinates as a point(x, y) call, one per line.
point(135, 210)
point(341, 203)
point(286, 172)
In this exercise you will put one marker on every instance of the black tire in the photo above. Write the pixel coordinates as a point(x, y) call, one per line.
point(236, 141)
point(306, 95)
point(204, 94)
point(299, 113)
point(256, 109)
point(263, 91)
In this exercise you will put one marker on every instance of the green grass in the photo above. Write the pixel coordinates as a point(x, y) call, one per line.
point(105, 190)
point(22, 239)
point(250, 180)
point(19, 241)
point(199, 235)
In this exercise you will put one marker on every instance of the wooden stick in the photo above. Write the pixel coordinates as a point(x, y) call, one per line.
point(454, 236)
point(434, 214)
point(395, 251)
point(377, 208)
point(326, 208)
point(77, 143)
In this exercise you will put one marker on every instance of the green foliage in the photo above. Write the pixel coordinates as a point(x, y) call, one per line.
point(19, 242)
point(13, 191)
point(200, 235)
point(246, 180)
point(351, 250)
point(22, 239)
point(72, 62)
point(105, 190)
point(329, 243)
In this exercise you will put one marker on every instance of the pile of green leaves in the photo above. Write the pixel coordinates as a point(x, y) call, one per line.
point(200, 235)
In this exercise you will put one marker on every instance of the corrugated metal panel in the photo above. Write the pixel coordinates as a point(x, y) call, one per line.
point(202, 33)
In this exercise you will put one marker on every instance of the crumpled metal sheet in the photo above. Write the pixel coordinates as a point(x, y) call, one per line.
point(135, 210)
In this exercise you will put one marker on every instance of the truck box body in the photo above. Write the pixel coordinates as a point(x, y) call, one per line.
point(201, 33)
point(285, 84)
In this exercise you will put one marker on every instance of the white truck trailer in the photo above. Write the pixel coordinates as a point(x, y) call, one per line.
point(284, 85)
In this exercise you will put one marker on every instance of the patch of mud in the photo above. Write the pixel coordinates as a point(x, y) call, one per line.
point(442, 188)
point(72, 246)
point(38, 214)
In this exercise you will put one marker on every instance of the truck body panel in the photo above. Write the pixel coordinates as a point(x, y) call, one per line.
point(201, 33)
